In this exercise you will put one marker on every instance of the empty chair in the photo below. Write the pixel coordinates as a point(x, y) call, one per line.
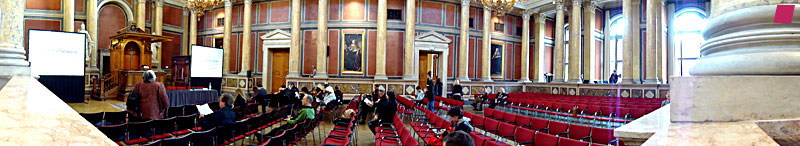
point(114, 118)
point(579, 132)
point(603, 136)
point(539, 124)
point(491, 126)
point(204, 138)
point(563, 141)
point(192, 109)
point(478, 139)
point(489, 113)
point(637, 112)
point(139, 131)
point(162, 128)
point(177, 141)
point(558, 128)
point(524, 136)
point(523, 121)
point(510, 118)
point(478, 122)
point(95, 119)
point(184, 123)
point(544, 139)
point(506, 130)
point(114, 132)
point(175, 111)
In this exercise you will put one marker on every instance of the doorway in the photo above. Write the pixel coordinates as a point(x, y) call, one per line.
point(280, 67)
point(428, 62)
point(430, 47)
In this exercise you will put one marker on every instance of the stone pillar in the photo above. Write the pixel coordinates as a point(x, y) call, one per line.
point(380, 51)
point(12, 52)
point(157, 26)
point(91, 27)
point(140, 12)
point(661, 41)
point(575, 43)
point(672, 58)
point(408, 40)
point(558, 48)
point(538, 65)
point(463, 43)
point(630, 58)
point(226, 38)
point(322, 39)
point(68, 9)
point(652, 47)
point(487, 44)
point(193, 28)
point(185, 36)
point(589, 67)
point(607, 51)
point(294, 49)
point(526, 41)
point(246, 34)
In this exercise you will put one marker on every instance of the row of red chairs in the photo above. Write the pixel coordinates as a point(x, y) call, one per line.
point(182, 88)
point(515, 126)
point(429, 121)
point(292, 134)
point(394, 134)
point(342, 135)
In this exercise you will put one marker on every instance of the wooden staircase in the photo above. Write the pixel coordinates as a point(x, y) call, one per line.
point(108, 87)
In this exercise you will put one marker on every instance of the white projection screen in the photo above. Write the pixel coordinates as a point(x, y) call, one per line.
point(206, 62)
point(56, 53)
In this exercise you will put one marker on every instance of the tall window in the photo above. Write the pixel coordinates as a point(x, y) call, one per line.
point(615, 37)
point(688, 39)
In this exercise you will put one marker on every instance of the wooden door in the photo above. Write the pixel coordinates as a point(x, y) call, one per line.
point(280, 68)
point(423, 70)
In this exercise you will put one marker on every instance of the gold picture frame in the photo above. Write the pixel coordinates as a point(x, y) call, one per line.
point(502, 56)
point(352, 43)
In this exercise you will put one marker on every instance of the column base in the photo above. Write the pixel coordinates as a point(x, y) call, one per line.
point(15, 71)
point(381, 77)
point(321, 75)
point(462, 79)
point(628, 81)
point(243, 73)
point(410, 77)
point(524, 80)
point(734, 98)
point(579, 81)
point(293, 75)
point(652, 81)
point(487, 79)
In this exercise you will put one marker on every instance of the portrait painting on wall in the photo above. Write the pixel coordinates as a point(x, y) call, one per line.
point(352, 53)
point(496, 60)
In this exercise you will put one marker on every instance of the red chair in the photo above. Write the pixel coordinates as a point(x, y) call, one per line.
point(510, 118)
point(571, 142)
point(524, 121)
point(478, 139)
point(637, 113)
point(558, 128)
point(506, 130)
point(603, 136)
point(478, 122)
point(579, 132)
point(489, 113)
point(524, 136)
point(544, 139)
point(539, 124)
point(491, 126)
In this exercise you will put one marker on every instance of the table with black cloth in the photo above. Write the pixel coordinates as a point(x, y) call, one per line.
point(191, 97)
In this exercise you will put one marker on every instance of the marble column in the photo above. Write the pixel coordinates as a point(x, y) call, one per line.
point(193, 28)
point(652, 46)
point(526, 41)
point(322, 39)
point(91, 27)
point(408, 41)
point(589, 67)
point(226, 37)
point(246, 34)
point(631, 48)
point(294, 49)
point(538, 36)
point(574, 56)
point(672, 58)
point(607, 61)
point(68, 9)
point(140, 12)
point(158, 23)
point(463, 43)
point(558, 48)
point(12, 52)
point(487, 43)
point(380, 51)
point(661, 41)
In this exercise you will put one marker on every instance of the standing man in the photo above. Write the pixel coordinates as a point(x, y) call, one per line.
point(613, 79)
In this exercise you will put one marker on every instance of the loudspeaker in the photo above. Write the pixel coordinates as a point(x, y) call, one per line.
point(249, 74)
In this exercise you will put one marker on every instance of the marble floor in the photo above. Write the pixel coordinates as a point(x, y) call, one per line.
point(96, 106)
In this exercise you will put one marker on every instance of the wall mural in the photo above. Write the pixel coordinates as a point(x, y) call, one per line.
point(353, 53)
point(497, 61)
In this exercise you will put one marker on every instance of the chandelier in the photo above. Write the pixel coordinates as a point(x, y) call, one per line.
point(199, 6)
point(500, 7)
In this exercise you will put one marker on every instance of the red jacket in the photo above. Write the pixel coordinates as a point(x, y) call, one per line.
point(153, 99)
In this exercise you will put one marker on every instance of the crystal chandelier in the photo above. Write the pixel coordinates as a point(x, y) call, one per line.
point(199, 6)
point(500, 7)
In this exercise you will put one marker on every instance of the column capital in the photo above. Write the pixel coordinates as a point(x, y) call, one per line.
point(540, 18)
point(465, 2)
point(159, 3)
point(559, 5)
point(141, 1)
point(526, 15)
point(576, 3)
point(248, 1)
point(228, 3)
point(590, 3)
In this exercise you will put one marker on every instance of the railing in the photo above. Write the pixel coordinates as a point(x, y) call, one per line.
point(109, 82)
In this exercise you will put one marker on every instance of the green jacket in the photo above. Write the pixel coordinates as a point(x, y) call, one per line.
point(305, 113)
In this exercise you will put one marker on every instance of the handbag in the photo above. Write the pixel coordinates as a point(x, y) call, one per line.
point(133, 100)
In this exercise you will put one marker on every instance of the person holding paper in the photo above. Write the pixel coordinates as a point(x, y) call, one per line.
point(222, 117)
point(306, 112)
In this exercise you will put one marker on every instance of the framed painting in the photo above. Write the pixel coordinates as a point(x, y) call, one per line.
point(496, 60)
point(352, 53)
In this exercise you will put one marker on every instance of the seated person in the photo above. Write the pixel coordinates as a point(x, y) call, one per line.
point(458, 138)
point(420, 94)
point(386, 108)
point(222, 117)
point(345, 119)
point(306, 112)
point(459, 122)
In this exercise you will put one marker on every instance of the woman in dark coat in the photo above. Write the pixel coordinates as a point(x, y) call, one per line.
point(153, 101)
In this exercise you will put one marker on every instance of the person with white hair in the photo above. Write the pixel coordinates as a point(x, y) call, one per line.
point(153, 101)
point(501, 98)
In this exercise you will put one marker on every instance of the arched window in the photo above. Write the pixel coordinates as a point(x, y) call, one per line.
point(615, 37)
point(688, 39)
